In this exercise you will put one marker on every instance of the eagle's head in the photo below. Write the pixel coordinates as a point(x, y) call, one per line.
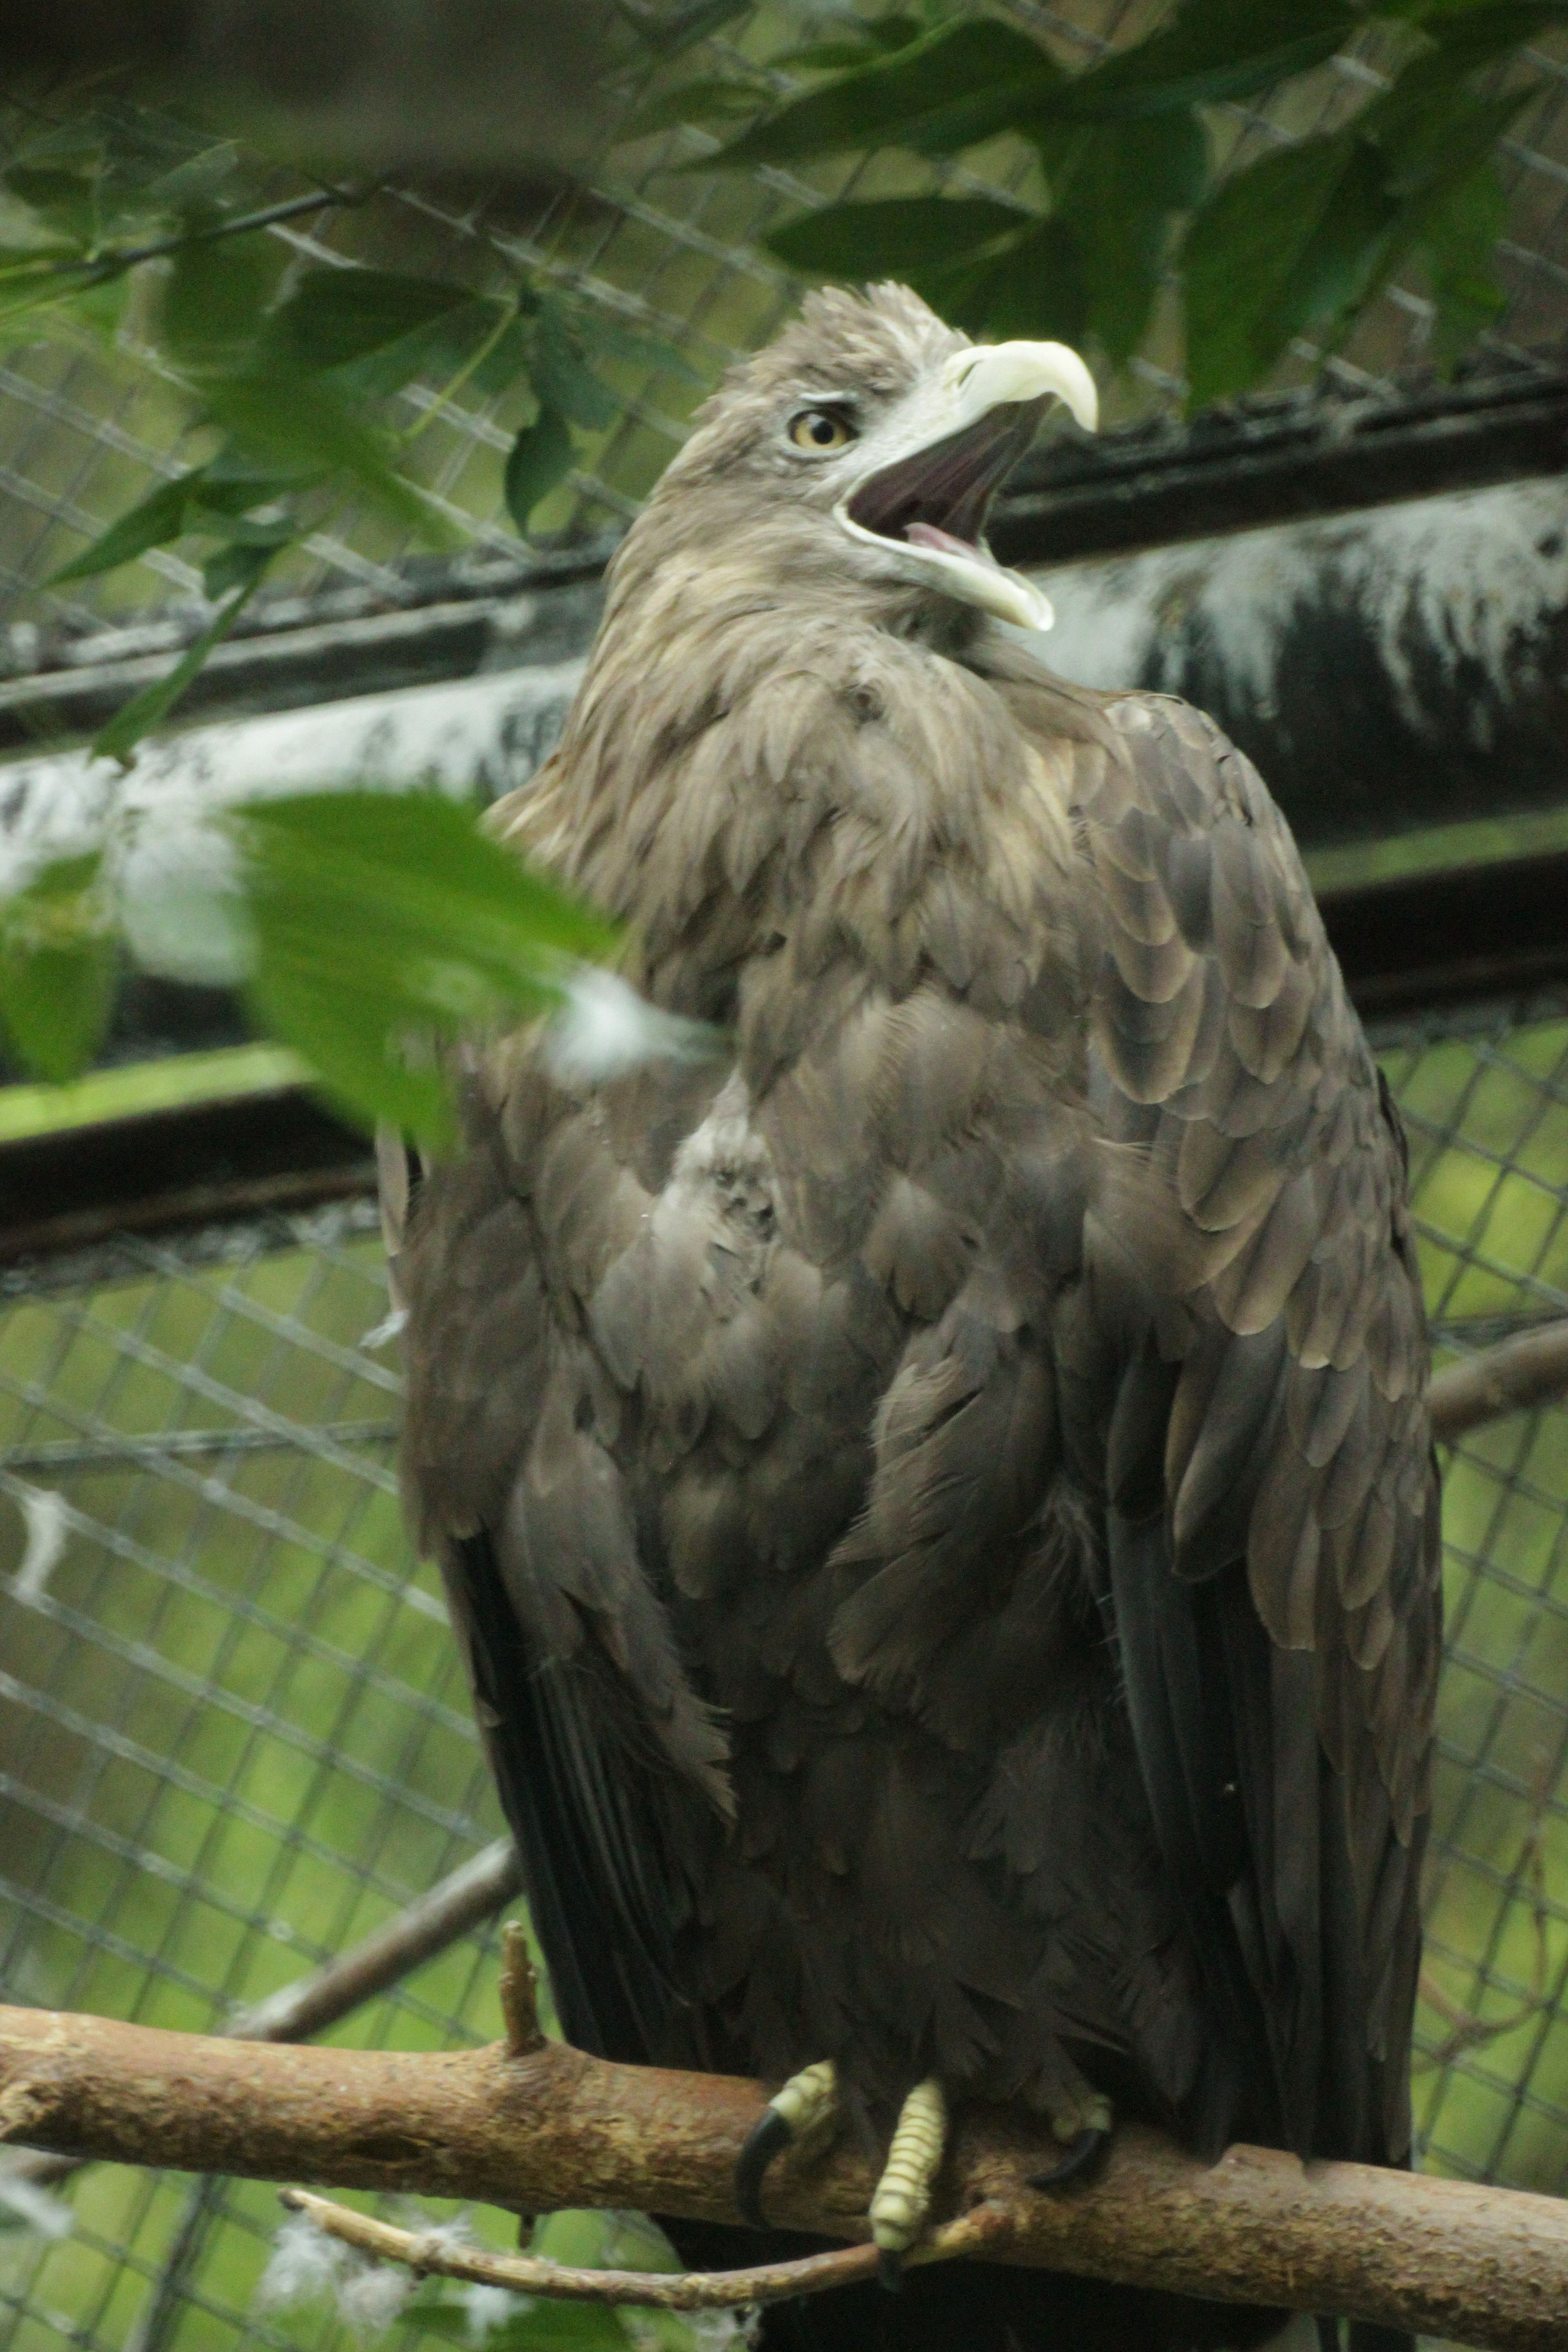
point(867, 442)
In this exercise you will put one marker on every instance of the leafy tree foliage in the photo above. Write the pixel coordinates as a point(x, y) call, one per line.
point(122, 218)
point(118, 219)
point(1132, 178)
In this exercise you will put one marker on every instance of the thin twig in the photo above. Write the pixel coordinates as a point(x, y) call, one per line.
point(96, 267)
point(433, 2255)
point(519, 1990)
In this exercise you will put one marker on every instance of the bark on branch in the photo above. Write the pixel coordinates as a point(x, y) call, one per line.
point(544, 2127)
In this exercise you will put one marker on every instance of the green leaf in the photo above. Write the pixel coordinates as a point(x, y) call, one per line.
point(669, 31)
point(232, 484)
point(1435, 131)
point(1122, 184)
point(878, 34)
point(64, 200)
point(617, 342)
point(243, 530)
point(336, 316)
point(147, 710)
point(538, 457)
point(34, 286)
point(302, 425)
point(193, 184)
point(1035, 286)
point(58, 965)
point(560, 379)
point(154, 521)
point(894, 236)
point(988, 268)
point(1211, 50)
point(1458, 240)
point(961, 83)
point(214, 299)
point(241, 562)
point(385, 920)
point(706, 100)
point(1474, 36)
point(437, 349)
point(1291, 244)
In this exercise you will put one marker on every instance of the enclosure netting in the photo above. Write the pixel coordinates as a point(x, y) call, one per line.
point(86, 430)
point(233, 1734)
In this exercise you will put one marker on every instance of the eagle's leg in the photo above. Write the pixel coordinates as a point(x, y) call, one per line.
point(1085, 2126)
point(902, 2199)
point(807, 2101)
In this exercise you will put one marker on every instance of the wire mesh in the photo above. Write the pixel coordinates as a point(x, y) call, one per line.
point(85, 431)
point(1485, 1099)
point(234, 1735)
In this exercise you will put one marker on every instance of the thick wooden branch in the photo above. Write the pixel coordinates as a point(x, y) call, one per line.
point(545, 2127)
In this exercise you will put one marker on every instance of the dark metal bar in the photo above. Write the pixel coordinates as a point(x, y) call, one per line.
point(1476, 931)
point(1277, 458)
point(456, 620)
point(183, 1167)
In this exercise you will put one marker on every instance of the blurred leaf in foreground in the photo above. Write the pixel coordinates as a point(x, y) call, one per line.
point(387, 924)
point(58, 963)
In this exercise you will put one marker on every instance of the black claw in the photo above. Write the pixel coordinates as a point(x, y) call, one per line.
point(768, 2137)
point(890, 2270)
point(1085, 2151)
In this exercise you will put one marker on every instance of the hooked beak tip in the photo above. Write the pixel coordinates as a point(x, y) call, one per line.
point(989, 374)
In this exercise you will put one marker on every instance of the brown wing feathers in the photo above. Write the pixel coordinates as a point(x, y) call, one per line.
point(1296, 1440)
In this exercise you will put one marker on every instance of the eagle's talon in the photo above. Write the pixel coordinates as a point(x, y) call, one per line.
point(1085, 2151)
point(890, 2269)
point(769, 2136)
point(806, 2100)
point(903, 2200)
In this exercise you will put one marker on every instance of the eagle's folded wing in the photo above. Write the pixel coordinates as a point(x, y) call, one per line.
point(1275, 1560)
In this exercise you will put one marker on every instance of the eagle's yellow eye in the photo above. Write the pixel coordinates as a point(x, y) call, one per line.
point(820, 428)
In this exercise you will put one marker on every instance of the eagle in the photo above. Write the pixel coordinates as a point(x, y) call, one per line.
point(935, 1491)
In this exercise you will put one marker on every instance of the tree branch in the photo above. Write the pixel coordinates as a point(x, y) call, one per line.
point(549, 2127)
point(1528, 1369)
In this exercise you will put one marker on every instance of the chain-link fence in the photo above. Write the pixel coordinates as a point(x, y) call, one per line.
point(86, 430)
point(235, 1737)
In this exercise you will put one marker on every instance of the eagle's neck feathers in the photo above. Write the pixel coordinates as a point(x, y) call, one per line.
point(759, 766)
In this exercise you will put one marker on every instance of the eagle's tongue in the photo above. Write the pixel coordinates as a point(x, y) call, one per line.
point(926, 534)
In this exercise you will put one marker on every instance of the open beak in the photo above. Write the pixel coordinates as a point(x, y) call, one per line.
point(931, 504)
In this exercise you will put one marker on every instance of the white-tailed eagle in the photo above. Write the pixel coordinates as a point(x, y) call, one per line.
point(937, 1500)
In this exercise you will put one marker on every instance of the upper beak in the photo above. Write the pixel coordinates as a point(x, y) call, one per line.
point(986, 377)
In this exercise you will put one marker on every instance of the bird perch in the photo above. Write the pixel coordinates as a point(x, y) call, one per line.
point(538, 2126)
